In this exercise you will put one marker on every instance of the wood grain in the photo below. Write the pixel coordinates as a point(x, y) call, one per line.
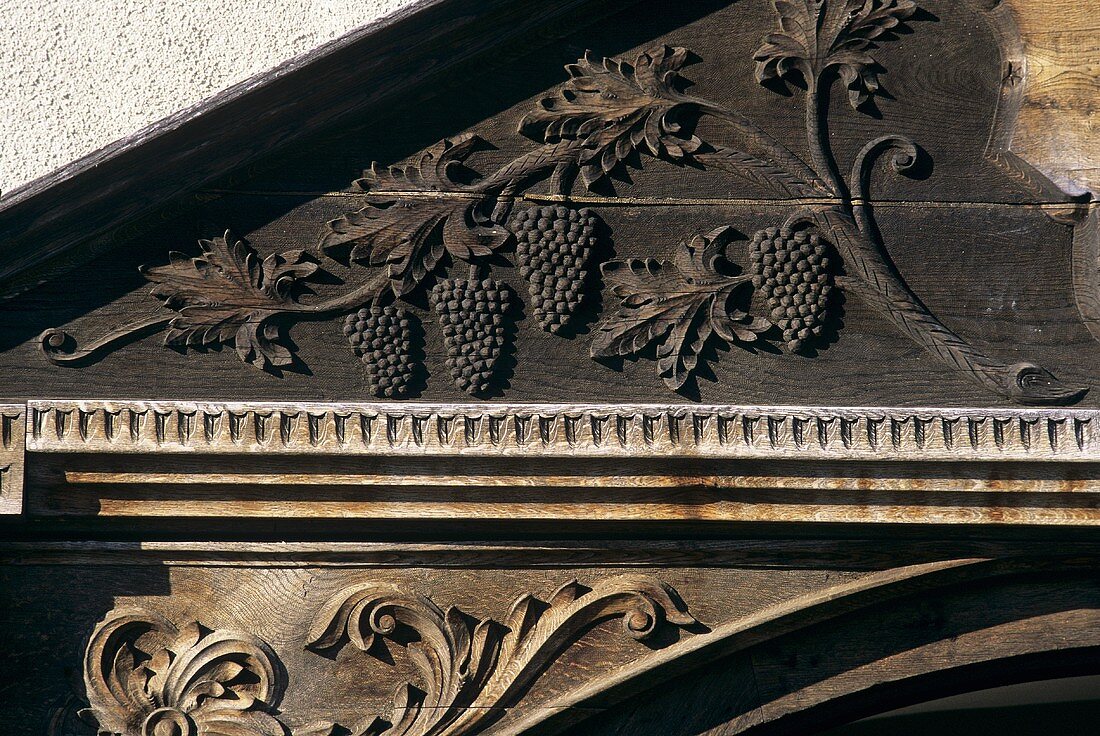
point(713, 528)
point(1057, 128)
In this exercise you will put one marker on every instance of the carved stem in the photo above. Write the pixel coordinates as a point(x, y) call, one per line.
point(61, 348)
point(905, 157)
point(759, 143)
point(367, 292)
point(876, 280)
point(513, 175)
point(818, 137)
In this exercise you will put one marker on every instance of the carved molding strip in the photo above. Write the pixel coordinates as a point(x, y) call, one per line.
point(565, 430)
point(12, 433)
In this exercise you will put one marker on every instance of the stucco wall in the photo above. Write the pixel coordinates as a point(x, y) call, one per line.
point(78, 74)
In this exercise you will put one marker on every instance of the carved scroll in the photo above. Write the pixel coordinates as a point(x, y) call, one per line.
point(145, 677)
point(471, 672)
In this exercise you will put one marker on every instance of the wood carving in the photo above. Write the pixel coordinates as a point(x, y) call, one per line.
point(145, 677)
point(678, 305)
point(628, 431)
point(433, 215)
point(13, 434)
point(472, 671)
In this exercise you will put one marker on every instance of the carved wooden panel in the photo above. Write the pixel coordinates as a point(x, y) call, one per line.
point(685, 368)
point(713, 214)
point(411, 639)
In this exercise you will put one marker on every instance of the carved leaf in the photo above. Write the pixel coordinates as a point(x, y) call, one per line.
point(472, 673)
point(816, 35)
point(675, 304)
point(616, 108)
point(416, 214)
point(228, 295)
point(222, 682)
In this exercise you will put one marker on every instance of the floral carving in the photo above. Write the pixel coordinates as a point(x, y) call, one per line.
point(472, 670)
point(145, 677)
point(678, 305)
point(417, 215)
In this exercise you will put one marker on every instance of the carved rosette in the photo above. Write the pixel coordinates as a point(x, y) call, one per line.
point(145, 677)
point(472, 670)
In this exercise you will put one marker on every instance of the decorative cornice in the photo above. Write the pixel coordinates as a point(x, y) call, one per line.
point(565, 430)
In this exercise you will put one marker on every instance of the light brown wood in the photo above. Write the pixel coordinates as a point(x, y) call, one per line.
point(1057, 129)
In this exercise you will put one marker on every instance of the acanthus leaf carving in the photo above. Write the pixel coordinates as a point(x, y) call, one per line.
point(471, 670)
point(145, 677)
point(408, 224)
point(817, 35)
point(616, 108)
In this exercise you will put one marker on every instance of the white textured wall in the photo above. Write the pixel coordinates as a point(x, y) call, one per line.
point(78, 74)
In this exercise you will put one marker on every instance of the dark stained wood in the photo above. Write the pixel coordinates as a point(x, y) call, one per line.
point(97, 196)
point(424, 387)
point(990, 309)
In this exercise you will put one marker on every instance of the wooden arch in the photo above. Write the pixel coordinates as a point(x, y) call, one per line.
point(848, 652)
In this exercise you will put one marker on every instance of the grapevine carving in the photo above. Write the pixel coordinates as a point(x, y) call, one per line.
point(433, 215)
point(471, 671)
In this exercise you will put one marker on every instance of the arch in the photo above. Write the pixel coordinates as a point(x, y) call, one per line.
point(888, 640)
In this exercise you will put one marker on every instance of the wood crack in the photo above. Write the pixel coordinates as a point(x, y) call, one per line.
point(597, 201)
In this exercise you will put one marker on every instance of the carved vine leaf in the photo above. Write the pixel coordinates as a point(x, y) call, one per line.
point(817, 35)
point(228, 295)
point(472, 670)
point(145, 677)
point(616, 108)
point(413, 216)
point(676, 304)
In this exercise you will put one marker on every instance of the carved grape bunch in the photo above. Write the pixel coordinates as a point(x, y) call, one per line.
point(381, 337)
point(472, 313)
point(791, 270)
point(554, 245)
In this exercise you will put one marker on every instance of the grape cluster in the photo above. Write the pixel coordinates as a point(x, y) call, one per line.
point(792, 271)
point(381, 337)
point(472, 314)
point(554, 245)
